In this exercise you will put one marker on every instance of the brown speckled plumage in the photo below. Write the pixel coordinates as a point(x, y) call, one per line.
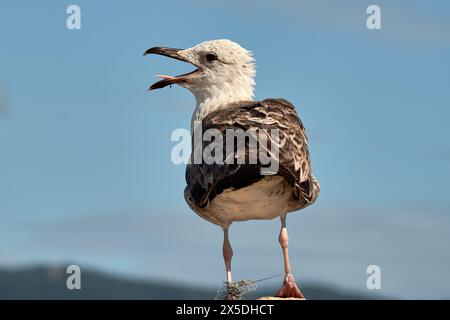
point(206, 181)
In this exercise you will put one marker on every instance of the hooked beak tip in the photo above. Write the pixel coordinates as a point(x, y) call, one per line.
point(168, 80)
point(154, 50)
point(164, 51)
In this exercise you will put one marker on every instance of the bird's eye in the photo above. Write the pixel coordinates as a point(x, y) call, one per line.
point(210, 57)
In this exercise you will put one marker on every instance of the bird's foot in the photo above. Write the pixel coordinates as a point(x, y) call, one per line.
point(289, 289)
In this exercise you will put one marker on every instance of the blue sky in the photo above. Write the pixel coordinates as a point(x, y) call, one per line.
point(85, 169)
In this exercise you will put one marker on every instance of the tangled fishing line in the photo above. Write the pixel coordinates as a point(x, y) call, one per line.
point(237, 290)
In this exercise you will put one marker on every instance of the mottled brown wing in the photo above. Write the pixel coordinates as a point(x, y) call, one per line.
point(205, 181)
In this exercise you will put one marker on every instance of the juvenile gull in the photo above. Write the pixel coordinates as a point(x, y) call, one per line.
point(223, 86)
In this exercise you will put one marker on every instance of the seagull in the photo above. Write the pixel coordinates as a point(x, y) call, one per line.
point(222, 193)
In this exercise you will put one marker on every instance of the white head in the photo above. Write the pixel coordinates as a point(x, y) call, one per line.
point(225, 73)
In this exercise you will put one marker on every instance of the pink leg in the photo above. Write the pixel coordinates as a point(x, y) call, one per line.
point(227, 255)
point(289, 288)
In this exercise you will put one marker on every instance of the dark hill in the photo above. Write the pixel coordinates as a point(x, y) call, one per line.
point(50, 283)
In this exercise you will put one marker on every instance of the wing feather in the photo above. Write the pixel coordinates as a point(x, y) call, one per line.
point(205, 181)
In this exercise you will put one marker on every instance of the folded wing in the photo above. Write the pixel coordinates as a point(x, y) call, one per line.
point(205, 181)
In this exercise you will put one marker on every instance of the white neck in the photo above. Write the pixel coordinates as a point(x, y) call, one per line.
point(212, 98)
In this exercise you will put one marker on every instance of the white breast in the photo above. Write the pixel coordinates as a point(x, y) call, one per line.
point(263, 200)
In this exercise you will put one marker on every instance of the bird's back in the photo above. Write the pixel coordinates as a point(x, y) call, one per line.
point(241, 188)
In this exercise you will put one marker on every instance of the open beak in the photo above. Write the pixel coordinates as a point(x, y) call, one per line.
point(169, 80)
